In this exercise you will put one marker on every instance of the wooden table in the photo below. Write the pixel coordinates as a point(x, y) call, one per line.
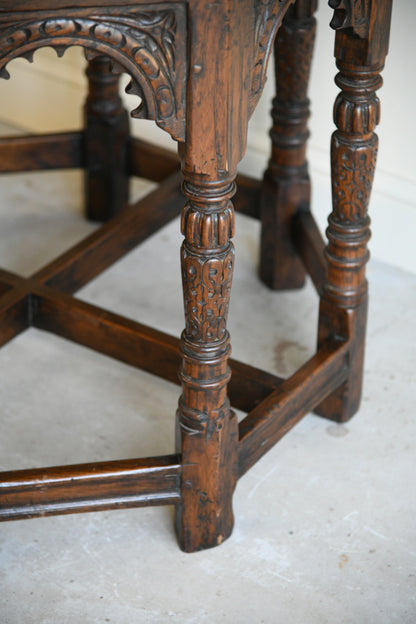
point(199, 69)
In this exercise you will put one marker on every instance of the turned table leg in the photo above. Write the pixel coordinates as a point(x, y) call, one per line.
point(207, 430)
point(106, 137)
point(286, 185)
point(343, 308)
point(217, 108)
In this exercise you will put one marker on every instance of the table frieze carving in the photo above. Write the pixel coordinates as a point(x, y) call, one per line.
point(148, 44)
point(269, 15)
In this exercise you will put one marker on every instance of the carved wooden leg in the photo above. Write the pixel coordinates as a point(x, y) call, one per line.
point(286, 186)
point(106, 137)
point(343, 306)
point(207, 430)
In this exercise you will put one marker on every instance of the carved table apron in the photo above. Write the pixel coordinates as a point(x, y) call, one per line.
point(198, 69)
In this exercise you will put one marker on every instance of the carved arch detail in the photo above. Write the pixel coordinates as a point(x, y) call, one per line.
point(148, 44)
point(268, 18)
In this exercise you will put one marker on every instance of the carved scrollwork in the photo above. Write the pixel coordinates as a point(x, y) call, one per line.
point(143, 43)
point(207, 284)
point(269, 15)
point(352, 14)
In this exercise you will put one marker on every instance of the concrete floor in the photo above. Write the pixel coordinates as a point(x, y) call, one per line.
point(325, 522)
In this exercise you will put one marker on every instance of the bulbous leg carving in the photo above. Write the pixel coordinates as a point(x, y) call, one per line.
point(207, 431)
point(106, 141)
point(286, 185)
point(343, 307)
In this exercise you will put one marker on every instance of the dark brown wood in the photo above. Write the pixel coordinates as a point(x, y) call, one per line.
point(207, 428)
point(286, 185)
point(248, 196)
point(15, 308)
point(89, 487)
point(199, 75)
point(248, 385)
point(8, 6)
point(157, 163)
point(4, 288)
point(94, 254)
point(310, 246)
point(113, 335)
point(105, 145)
point(149, 45)
point(136, 344)
point(343, 309)
point(108, 333)
point(287, 405)
point(151, 161)
point(49, 151)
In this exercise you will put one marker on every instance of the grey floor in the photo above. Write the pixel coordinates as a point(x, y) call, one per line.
point(325, 522)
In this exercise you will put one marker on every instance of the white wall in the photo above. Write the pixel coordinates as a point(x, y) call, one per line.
point(48, 96)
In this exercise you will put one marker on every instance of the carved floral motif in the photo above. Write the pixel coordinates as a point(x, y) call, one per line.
point(142, 43)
